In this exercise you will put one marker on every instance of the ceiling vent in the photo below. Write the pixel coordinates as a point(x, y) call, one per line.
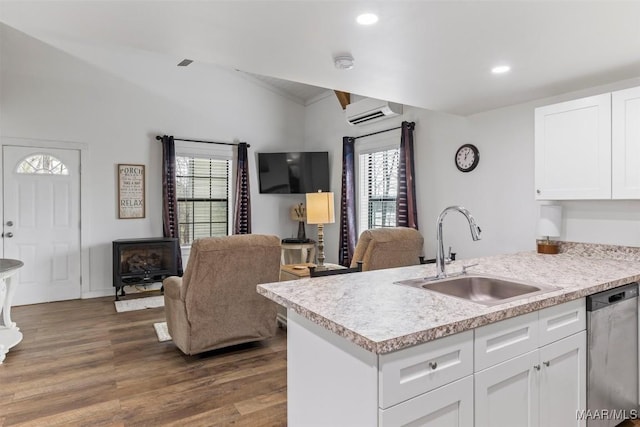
point(371, 110)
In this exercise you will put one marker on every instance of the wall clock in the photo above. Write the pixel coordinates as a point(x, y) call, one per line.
point(467, 157)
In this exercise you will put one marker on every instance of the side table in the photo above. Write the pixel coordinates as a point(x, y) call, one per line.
point(10, 334)
point(307, 253)
point(295, 272)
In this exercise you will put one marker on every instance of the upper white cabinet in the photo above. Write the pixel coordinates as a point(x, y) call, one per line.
point(573, 149)
point(625, 144)
point(589, 148)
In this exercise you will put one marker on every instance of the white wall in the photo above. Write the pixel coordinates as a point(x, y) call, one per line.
point(507, 135)
point(499, 192)
point(436, 134)
point(48, 94)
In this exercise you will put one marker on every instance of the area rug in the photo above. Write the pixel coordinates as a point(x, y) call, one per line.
point(139, 303)
point(162, 332)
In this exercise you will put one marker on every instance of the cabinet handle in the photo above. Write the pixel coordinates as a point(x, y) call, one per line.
point(433, 365)
point(547, 363)
point(536, 367)
point(538, 191)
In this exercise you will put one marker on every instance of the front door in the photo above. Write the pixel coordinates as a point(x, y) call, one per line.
point(42, 222)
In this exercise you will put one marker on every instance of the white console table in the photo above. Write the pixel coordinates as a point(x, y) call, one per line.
point(10, 334)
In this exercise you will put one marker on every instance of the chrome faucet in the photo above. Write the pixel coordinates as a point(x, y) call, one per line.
point(475, 235)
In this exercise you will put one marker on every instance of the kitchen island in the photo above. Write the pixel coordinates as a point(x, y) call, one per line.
point(345, 331)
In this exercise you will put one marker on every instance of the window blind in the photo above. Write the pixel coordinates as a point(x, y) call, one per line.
point(378, 188)
point(202, 186)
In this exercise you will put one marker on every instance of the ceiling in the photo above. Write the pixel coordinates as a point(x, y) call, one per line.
point(429, 54)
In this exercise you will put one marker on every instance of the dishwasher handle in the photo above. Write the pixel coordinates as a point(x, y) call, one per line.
point(612, 296)
point(616, 297)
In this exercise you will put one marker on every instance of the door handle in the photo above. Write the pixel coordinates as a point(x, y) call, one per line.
point(9, 235)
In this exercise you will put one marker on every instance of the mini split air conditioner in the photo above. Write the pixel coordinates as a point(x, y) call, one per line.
point(371, 110)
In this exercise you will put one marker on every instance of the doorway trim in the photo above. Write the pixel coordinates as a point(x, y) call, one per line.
point(85, 226)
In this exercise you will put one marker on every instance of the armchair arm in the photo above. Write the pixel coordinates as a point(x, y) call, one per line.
point(172, 287)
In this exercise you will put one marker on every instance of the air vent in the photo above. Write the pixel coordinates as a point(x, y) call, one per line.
point(371, 110)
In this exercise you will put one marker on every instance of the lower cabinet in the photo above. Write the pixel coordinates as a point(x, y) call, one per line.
point(544, 387)
point(506, 394)
point(563, 381)
point(448, 406)
point(528, 370)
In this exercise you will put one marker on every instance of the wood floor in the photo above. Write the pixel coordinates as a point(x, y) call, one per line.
point(82, 364)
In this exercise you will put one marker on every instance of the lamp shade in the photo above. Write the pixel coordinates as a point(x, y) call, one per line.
point(550, 220)
point(320, 208)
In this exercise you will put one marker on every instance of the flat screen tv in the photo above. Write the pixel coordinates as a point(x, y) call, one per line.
point(293, 172)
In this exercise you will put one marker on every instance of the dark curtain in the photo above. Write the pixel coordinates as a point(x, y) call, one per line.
point(169, 198)
point(242, 220)
point(406, 210)
point(348, 230)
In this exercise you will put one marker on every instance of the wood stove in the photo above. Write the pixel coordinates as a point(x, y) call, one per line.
point(143, 261)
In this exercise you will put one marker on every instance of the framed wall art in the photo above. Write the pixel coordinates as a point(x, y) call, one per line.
point(131, 200)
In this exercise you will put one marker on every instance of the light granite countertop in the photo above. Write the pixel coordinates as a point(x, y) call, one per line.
point(381, 316)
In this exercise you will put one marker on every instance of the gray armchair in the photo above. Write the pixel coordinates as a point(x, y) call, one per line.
point(216, 304)
point(380, 248)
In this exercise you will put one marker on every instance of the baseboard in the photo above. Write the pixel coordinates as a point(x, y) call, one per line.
point(128, 290)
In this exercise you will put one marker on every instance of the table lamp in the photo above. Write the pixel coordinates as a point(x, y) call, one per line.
point(299, 213)
point(549, 223)
point(320, 211)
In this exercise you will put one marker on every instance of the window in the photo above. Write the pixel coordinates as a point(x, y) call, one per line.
point(378, 188)
point(203, 197)
point(42, 164)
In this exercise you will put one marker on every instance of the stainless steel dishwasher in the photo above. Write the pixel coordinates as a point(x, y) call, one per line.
point(612, 355)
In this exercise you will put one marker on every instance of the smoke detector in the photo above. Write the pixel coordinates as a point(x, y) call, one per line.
point(343, 62)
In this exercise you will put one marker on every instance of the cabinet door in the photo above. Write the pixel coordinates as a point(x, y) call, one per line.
point(563, 381)
point(506, 395)
point(447, 406)
point(415, 370)
point(563, 320)
point(501, 341)
point(573, 149)
point(625, 144)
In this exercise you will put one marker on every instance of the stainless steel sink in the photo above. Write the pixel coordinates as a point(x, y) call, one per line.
point(485, 290)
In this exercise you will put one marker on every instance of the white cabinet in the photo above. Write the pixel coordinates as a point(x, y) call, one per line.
point(507, 394)
point(535, 375)
point(589, 148)
point(528, 370)
point(415, 370)
point(447, 406)
point(333, 382)
point(563, 380)
point(625, 144)
point(503, 340)
point(573, 149)
point(544, 387)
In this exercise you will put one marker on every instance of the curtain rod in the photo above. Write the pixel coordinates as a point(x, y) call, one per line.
point(159, 138)
point(375, 133)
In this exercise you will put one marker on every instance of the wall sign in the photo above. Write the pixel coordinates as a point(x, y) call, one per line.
point(131, 203)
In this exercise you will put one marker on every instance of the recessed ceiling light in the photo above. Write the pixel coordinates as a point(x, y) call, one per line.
point(343, 62)
point(501, 69)
point(185, 62)
point(367, 19)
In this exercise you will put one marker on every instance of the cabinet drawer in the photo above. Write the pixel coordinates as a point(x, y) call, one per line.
point(407, 373)
point(451, 405)
point(503, 340)
point(562, 320)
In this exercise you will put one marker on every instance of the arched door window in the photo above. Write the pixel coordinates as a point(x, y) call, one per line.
point(42, 164)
